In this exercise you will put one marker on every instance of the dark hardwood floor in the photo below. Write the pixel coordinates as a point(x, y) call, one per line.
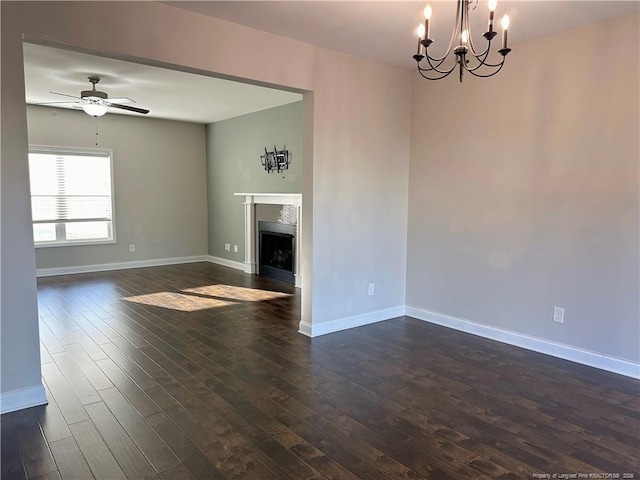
point(197, 371)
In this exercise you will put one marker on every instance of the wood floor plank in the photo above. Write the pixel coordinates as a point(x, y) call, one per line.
point(101, 461)
point(120, 325)
point(94, 333)
point(94, 374)
point(137, 355)
point(128, 388)
point(128, 455)
point(226, 449)
point(68, 402)
point(33, 447)
point(44, 355)
point(69, 459)
point(101, 325)
point(49, 339)
point(178, 473)
point(259, 428)
point(138, 375)
point(91, 347)
point(76, 378)
point(389, 466)
point(60, 332)
point(153, 448)
point(192, 458)
point(51, 420)
point(12, 466)
point(55, 475)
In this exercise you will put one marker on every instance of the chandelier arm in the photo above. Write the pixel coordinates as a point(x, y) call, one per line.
point(482, 61)
point(472, 72)
point(431, 65)
point(485, 64)
point(482, 57)
point(467, 27)
point(437, 62)
point(473, 48)
point(435, 67)
point(439, 59)
point(444, 75)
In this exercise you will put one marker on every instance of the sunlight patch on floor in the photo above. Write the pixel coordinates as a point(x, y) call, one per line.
point(232, 292)
point(202, 298)
point(178, 301)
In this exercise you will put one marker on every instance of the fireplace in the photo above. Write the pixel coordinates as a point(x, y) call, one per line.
point(276, 250)
point(251, 237)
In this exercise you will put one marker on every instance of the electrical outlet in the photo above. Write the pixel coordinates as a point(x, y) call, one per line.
point(132, 248)
point(372, 289)
point(227, 246)
point(558, 314)
point(235, 248)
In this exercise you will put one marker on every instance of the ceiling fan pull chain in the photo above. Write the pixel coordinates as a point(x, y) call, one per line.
point(96, 119)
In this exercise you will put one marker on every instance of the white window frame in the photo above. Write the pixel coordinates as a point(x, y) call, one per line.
point(48, 149)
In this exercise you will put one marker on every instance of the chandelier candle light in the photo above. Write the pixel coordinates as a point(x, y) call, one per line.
point(465, 51)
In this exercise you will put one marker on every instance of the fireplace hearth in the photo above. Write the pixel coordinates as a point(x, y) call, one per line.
point(276, 250)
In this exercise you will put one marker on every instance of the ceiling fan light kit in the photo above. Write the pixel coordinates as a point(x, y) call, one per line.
point(94, 109)
point(466, 57)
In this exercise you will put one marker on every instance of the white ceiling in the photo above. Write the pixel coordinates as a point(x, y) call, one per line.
point(168, 94)
point(379, 30)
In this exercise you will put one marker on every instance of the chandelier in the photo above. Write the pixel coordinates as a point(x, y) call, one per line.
point(466, 56)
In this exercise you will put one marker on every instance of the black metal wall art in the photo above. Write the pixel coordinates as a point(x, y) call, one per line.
point(275, 161)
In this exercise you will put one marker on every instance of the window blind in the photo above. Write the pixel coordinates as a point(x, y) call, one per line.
point(70, 187)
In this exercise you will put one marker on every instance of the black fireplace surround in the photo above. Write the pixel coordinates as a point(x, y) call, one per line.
point(276, 250)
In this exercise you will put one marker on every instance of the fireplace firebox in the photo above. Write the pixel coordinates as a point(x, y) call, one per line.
point(276, 247)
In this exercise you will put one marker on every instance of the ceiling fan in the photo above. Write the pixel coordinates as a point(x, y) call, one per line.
point(97, 103)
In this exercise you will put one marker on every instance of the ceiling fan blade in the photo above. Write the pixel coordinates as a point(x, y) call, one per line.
point(58, 103)
point(121, 100)
point(65, 95)
point(127, 107)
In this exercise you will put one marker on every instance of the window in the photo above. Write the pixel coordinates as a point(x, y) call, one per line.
point(71, 196)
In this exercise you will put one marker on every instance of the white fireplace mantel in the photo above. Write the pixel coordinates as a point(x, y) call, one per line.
point(250, 201)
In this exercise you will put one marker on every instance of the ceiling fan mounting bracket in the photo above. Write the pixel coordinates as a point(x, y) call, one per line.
point(93, 92)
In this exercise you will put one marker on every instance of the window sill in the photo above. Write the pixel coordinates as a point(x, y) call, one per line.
point(74, 244)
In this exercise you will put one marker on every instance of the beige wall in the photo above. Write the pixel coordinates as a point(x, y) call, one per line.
point(524, 192)
point(159, 182)
point(356, 151)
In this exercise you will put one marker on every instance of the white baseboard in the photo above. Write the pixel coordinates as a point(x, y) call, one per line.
point(225, 262)
point(567, 352)
point(350, 322)
point(20, 398)
point(48, 272)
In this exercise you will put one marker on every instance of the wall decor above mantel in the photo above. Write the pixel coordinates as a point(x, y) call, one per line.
point(275, 161)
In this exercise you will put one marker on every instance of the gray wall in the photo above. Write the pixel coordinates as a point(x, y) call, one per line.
point(234, 147)
point(159, 181)
point(19, 341)
point(524, 192)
